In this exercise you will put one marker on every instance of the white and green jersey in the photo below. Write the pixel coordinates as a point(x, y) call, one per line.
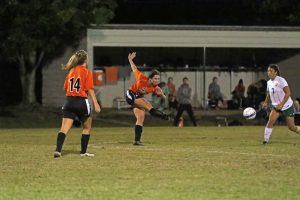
point(275, 90)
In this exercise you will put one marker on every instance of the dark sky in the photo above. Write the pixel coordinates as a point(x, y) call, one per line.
point(197, 12)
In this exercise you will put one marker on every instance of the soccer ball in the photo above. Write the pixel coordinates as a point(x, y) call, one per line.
point(249, 113)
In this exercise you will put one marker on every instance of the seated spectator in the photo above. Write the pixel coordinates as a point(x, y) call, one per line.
point(238, 94)
point(214, 93)
point(256, 93)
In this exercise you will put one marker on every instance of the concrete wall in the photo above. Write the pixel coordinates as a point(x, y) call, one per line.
point(53, 94)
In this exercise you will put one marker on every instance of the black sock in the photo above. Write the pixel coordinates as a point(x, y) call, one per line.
point(157, 113)
point(84, 142)
point(60, 141)
point(138, 132)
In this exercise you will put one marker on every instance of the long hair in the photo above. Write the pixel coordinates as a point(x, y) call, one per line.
point(276, 68)
point(78, 58)
point(153, 73)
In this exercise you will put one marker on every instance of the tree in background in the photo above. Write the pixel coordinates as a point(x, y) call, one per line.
point(274, 12)
point(32, 32)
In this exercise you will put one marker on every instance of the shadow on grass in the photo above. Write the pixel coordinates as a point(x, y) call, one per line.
point(69, 152)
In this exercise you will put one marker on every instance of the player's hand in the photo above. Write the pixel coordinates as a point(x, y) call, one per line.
point(158, 91)
point(279, 107)
point(97, 108)
point(265, 105)
point(131, 56)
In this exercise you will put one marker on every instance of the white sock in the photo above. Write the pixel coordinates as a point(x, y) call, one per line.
point(268, 132)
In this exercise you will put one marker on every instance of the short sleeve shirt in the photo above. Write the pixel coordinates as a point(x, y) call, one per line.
point(275, 90)
point(78, 81)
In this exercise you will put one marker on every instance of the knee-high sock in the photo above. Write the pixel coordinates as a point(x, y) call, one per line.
point(268, 132)
point(138, 132)
point(60, 141)
point(156, 113)
point(84, 142)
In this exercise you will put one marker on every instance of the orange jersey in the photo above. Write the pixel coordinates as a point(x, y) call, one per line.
point(78, 81)
point(142, 86)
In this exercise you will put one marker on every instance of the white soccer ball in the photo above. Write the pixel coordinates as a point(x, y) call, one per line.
point(249, 113)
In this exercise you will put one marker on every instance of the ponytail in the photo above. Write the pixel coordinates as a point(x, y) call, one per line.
point(79, 58)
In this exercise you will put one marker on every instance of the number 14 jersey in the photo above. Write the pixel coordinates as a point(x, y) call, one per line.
point(78, 81)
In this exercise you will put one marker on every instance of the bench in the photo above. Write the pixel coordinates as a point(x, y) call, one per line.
point(220, 119)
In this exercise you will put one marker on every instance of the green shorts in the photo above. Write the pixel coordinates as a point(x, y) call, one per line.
point(290, 112)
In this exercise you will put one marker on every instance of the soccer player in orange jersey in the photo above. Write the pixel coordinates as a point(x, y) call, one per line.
point(78, 85)
point(135, 97)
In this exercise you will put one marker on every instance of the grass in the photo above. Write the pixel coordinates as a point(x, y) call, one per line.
point(175, 163)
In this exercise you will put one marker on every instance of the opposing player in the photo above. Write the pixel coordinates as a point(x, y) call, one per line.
point(278, 94)
point(135, 97)
point(78, 85)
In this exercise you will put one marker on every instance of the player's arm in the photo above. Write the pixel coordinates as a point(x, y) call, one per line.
point(97, 107)
point(287, 94)
point(159, 92)
point(131, 56)
point(266, 102)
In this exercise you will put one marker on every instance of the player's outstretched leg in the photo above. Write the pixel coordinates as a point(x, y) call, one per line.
point(157, 113)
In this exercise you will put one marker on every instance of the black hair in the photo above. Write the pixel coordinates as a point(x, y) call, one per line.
point(276, 68)
point(153, 73)
point(185, 78)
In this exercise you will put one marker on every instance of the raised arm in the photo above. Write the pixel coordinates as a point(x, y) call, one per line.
point(131, 56)
point(266, 102)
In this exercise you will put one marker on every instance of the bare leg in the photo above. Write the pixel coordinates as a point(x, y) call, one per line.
point(143, 103)
point(291, 125)
point(66, 125)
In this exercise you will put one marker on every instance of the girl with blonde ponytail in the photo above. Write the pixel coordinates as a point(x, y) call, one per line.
point(78, 86)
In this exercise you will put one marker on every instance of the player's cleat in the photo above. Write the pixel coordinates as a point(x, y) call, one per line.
point(57, 154)
point(87, 154)
point(265, 142)
point(137, 143)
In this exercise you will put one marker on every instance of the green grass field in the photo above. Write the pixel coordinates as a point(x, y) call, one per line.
point(187, 163)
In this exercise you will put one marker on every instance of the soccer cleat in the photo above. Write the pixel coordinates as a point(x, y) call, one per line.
point(87, 154)
point(57, 154)
point(137, 143)
point(265, 142)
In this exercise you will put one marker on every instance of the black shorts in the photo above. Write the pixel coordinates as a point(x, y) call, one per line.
point(130, 96)
point(76, 107)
